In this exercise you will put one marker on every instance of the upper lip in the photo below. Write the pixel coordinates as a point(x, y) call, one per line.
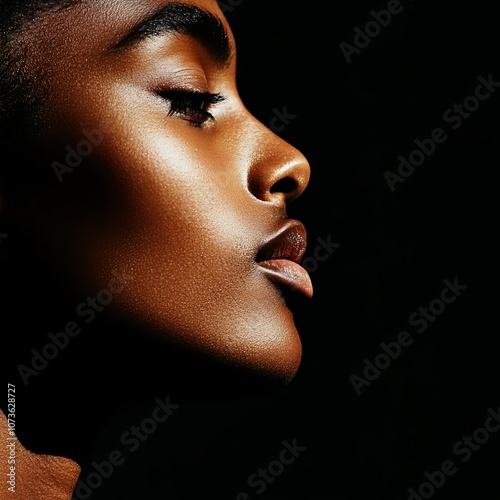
point(290, 244)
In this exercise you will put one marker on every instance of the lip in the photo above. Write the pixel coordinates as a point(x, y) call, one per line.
point(280, 258)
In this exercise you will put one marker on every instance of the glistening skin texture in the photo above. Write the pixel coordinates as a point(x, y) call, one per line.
point(180, 203)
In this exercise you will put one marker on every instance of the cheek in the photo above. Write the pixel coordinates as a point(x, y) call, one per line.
point(172, 228)
point(194, 283)
point(156, 211)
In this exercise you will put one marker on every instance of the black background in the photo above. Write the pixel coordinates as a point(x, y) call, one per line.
point(352, 122)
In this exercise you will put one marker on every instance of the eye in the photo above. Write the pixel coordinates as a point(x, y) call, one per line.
point(192, 106)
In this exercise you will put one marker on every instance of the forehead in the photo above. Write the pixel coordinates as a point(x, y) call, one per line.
point(96, 26)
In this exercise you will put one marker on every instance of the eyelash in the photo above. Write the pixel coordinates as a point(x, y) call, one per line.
point(193, 106)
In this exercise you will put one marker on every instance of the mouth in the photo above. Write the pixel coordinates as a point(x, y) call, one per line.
point(280, 258)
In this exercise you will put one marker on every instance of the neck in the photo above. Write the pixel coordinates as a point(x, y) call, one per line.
point(31, 475)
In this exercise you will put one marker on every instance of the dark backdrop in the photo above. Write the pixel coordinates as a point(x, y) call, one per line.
point(353, 120)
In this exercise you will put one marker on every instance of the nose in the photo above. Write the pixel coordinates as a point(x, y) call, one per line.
point(279, 173)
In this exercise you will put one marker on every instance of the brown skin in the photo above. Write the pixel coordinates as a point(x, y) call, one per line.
point(180, 208)
point(37, 477)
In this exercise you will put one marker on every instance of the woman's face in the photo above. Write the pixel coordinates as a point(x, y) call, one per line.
point(174, 183)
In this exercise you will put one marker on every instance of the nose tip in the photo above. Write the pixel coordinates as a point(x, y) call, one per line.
point(281, 177)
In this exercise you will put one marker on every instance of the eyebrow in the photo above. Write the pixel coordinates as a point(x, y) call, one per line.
point(184, 19)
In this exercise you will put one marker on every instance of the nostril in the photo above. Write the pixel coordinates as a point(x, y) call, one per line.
point(285, 185)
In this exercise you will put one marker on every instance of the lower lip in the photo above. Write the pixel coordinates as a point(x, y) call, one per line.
point(290, 274)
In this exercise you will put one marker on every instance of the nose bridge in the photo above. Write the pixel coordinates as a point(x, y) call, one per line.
point(278, 172)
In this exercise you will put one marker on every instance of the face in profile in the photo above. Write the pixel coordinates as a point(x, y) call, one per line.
point(174, 183)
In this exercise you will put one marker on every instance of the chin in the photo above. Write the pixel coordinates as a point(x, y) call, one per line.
point(263, 341)
point(280, 363)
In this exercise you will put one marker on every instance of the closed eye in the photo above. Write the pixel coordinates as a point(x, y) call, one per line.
point(192, 106)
